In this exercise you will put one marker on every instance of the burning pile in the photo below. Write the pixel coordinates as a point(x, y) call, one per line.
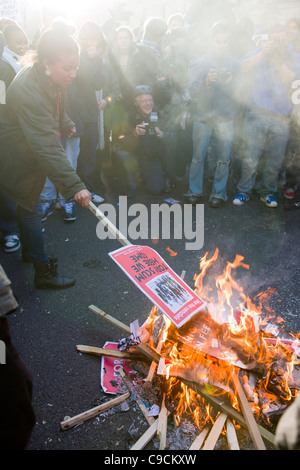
point(225, 338)
point(230, 362)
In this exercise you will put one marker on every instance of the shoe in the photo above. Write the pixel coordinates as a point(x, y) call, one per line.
point(97, 199)
point(192, 198)
point(47, 210)
point(270, 200)
point(47, 277)
point(216, 202)
point(240, 199)
point(289, 193)
point(69, 211)
point(292, 205)
point(11, 243)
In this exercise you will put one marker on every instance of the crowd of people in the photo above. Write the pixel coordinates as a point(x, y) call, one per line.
point(154, 105)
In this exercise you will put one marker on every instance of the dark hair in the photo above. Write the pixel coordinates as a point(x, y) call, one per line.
point(88, 30)
point(155, 29)
point(56, 41)
point(11, 29)
point(125, 29)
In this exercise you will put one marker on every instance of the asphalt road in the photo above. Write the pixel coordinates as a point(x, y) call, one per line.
point(49, 324)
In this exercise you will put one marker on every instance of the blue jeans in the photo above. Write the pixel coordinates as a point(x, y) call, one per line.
point(8, 216)
point(223, 135)
point(72, 149)
point(266, 134)
point(30, 223)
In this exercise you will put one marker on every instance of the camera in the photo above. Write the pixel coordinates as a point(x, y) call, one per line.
point(152, 124)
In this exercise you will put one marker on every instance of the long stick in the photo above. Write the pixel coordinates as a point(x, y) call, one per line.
point(247, 412)
point(107, 223)
point(71, 422)
point(215, 432)
point(109, 353)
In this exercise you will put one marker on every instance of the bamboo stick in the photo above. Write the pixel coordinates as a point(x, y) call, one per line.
point(71, 422)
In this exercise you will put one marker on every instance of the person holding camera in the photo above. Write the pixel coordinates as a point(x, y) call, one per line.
point(141, 147)
point(270, 71)
point(211, 89)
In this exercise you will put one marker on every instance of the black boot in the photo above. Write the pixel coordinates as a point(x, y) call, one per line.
point(47, 277)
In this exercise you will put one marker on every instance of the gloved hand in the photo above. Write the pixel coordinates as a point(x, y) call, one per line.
point(287, 436)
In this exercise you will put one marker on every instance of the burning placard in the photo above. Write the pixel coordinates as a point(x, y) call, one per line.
point(152, 275)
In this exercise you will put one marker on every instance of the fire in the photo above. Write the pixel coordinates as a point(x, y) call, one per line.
point(234, 331)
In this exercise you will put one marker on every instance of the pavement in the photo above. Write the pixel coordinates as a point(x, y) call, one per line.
point(49, 324)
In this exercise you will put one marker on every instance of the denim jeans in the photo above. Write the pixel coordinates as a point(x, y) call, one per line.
point(265, 134)
point(8, 216)
point(30, 223)
point(223, 134)
point(72, 149)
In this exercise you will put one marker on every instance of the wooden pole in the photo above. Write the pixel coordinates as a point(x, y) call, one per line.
point(71, 422)
point(162, 424)
point(231, 437)
point(247, 412)
point(196, 445)
point(109, 318)
point(215, 432)
point(107, 223)
point(109, 353)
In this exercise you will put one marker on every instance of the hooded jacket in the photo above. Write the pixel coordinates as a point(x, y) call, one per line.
point(30, 149)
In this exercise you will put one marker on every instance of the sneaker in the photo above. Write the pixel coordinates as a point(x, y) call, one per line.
point(69, 211)
point(289, 193)
point(11, 243)
point(47, 210)
point(240, 199)
point(97, 199)
point(270, 200)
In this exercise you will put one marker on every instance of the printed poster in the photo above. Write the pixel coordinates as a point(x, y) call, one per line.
point(152, 275)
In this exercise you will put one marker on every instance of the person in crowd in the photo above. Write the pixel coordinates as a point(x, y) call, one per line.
point(16, 44)
point(91, 76)
point(293, 31)
point(291, 165)
point(271, 68)
point(141, 147)
point(148, 64)
point(31, 123)
point(212, 85)
point(17, 416)
point(121, 55)
point(13, 46)
point(176, 115)
point(175, 21)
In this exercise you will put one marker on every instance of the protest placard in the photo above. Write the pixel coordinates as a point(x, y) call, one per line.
point(152, 275)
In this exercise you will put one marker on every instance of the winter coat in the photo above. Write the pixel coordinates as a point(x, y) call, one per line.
point(30, 147)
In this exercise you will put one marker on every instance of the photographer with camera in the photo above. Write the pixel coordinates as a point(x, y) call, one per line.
point(140, 147)
point(212, 87)
point(270, 71)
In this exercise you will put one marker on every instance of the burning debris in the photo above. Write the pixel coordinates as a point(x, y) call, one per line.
point(231, 365)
